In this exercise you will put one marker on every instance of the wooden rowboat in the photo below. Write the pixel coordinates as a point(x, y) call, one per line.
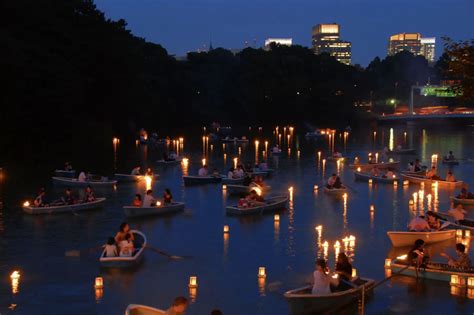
point(63, 173)
point(136, 309)
point(125, 262)
point(407, 238)
point(201, 180)
point(463, 201)
point(170, 162)
point(73, 182)
point(242, 189)
point(335, 191)
point(433, 271)
point(302, 302)
point(375, 179)
point(131, 211)
point(427, 181)
point(232, 181)
point(99, 202)
point(274, 203)
point(132, 178)
point(380, 166)
point(419, 173)
point(450, 162)
point(401, 151)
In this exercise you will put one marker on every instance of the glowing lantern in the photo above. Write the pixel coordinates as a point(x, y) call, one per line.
point(470, 282)
point(467, 233)
point(290, 189)
point(388, 262)
point(224, 187)
point(315, 187)
point(185, 161)
point(15, 278)
point(458, 281)
point(354, 273)
point(115, 141)
point(319, 228)
point(235, 162)
point(261, 272)
point(15, 275)
point(459, 233)
point(402, 257)
point(359, 169)
point(335, 276)
point(148, 182)
point(410, 202)
point(372, 208)
point(370, 181)
point(337, 245)
point(193, 282)
point(99, 283)
point(226, 229)
point(258, 190)
point(158, 203)
point(276, 217)
point(395, 183)
point(26, 204)
point(203, 162)
point(415, 197)
point(406, 183)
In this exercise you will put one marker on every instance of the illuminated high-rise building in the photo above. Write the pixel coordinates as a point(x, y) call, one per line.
point(325, 39)
point(414, 43)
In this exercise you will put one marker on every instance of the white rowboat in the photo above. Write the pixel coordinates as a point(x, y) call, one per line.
point(136, 309)
point(427, 181)
point(125, 262)
point(99, 202)
point(73, 182)
point(131, 211)
point(402, 238)
point(270, 204)
point(63, 173)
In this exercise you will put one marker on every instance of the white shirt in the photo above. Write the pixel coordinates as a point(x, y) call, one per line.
point(202, 172)
point(239, 173)
point(126, 248)
point(321, 283)
point(82, 177)
point(110, 250)
point(148, 201)
point(276, 149)
point(230, 174)
point(136, 171)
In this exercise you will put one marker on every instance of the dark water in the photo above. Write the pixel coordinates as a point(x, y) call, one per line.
point(226, 265)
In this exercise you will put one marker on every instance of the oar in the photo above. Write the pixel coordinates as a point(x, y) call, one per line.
point(156, 250)
point(352, 189)
point(79, 252)
point(393, 275)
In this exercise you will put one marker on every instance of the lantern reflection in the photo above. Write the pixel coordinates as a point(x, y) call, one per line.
point(15, 281)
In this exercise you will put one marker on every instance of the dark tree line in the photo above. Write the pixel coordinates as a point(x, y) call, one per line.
point(68, 73)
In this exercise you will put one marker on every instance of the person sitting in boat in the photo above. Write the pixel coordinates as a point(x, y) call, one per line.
point(215, 173)
point(331, 181)
point(457, 213)
point(230, 173)
point(179, 306)
point(136, 171)
point(68, 198)
point(276, 149)
point(239, 172)
point(137, 201)
point(463, 260)
point(110, 248)
point(149, 172)
point(417, 254)
point(40, 200)
point(417, 165)
point(67, 167)
point(450, 177)
point(172, 156)
point(89, 194)
point(418, 224)
point(336, 154)
point(203, 172)
point(433, 221)
point(82, 177)
point(338, 183)
point(389, 174)
point(263, 166)
point(124, 229)
point(450, 156)
point(431, 174)
point(248, 167)
point(322, 280)
point(149, 200)
point(126, 246)
point(374, 171)
point(465, 194)
point(372, 159)
point(411, 167)
point(343, 267)
point(167, 196)
point(399, 147)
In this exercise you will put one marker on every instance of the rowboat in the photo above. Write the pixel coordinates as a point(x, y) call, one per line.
point(401, 151)
point(232, 181)
point(382, 165)
point(427, 181)
point(132, 178)
point(433, 271)
point(419, 173)
point(131, 211)
point(136, 309)
point(228, 140)
point(302, 302)
point(407, 238)
point(335, 159)
point(63, 173)
point(242, 140)
point(201, 180)
point(450, 162)
point(267, 171)
point(76, 183)
point(274, 203)
point(335, 191)
point(99, 202)
point(449, 222)
point(375, 179)
point(124, 262)
point(463, 201)
point(170, 162)
point(242, 189)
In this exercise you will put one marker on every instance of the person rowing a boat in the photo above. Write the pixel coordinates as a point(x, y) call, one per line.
point(417, 165)
point(276, 149)
point(82, 177)
point(149, 200)
point(67, 167)
point(137, 201)
point(322, 279)
point(343, 267)
point(124, 229)
point(418, 224)
point(89, 194)
point(203, 171)
point(167, 196)
point(411, 167)
point(431, 174)
point(135, 171)
point(433, 221)
point(68, 199)
point(462, 261)
point(457, 213)
point(126, 246)
point(450, 177)
point(417, 254)
point(331, 181)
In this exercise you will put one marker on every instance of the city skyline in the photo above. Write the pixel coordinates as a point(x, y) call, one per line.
point(180, 27)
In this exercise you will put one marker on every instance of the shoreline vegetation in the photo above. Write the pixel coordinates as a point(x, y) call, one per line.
point(69, 74)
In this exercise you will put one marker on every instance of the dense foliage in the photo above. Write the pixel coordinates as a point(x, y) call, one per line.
point(67, 72)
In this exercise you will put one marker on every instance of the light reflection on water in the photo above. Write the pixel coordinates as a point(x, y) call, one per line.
point(226, 267)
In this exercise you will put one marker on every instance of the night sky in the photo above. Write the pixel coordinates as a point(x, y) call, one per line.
point(187, 25)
